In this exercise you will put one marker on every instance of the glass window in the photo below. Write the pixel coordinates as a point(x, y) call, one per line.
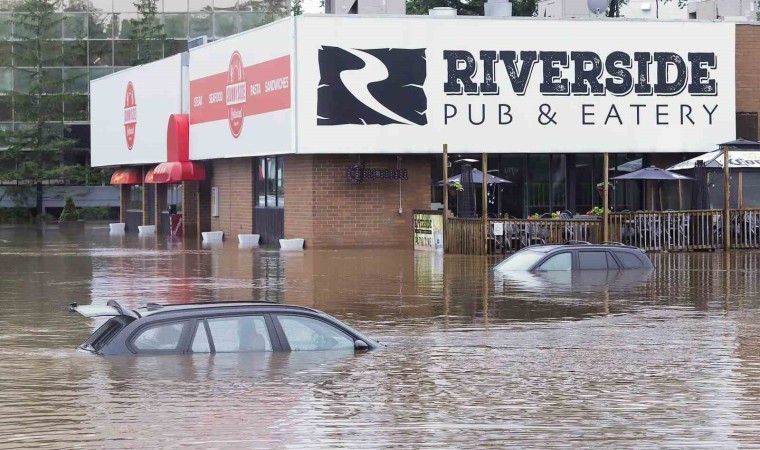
point(260, 177)
point(174, 46)
point(629, 260)
point(22, 80)
point(52, 81)
point(751, 191)
point(174, 197)
point(611, 263)
point(52, 53)
point(124, 6)
point(101, 53)
point(99, 25)
point(225, 24)
point(200, 24)
point(271, 181)
point(175, 26)
point(124, 53)
point(74, 53)
point(6, 79)
point(240, 334)
point(563, 261)
point(135, 197)
point(305, 333)
point(96, 73)
point(520, 261)
point(280, 181)
point(101, 5)
point(225, 5)
point(200, 340)
point(164, 337)
point(122, 25)
point(75, 107)
point(75, 26)
point(75, 80)
point(6, 24)
point(54, 28)
point(251, 20)
point(6, 108)
point(6, 53)
point(592, 260)
point(200, 5)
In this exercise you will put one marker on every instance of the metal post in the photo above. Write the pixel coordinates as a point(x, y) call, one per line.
point(484, 203)
point(445, 196)
point(726, 203)
point(606, 199)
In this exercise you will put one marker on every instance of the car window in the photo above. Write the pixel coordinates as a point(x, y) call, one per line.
point(523, 260)
point(629, 260)
point(240, 334)
point(160, 337)
point(611, 263)
point(562, 261)
point(200, 340)
point(305, 333)
point(588, 260)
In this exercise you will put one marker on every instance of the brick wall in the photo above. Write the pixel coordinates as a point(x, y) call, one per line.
point(234, 178)
point(748, 68)
point(328, 211)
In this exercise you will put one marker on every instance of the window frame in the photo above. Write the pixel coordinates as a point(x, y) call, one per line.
point(284, 339)
point(573, 261)
point(603, 252)
point(273, 335)
point(260, 183)
point(184, 338)
point(623, 265)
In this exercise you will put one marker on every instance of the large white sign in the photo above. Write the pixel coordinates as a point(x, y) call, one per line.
point(240, 94)
point(408, 85)
point(129, 113)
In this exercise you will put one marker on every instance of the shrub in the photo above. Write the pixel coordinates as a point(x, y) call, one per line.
point(95, 213)
point(69, 213)
point(14, 215)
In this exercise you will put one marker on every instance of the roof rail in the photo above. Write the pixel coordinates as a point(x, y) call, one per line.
point(577, 243)
point(153, 306)
point(122, 310)
point(614, 243)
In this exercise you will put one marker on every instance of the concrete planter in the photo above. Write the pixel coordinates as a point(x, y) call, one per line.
point(71, 227)
point(117, 228)
point(212, 236)
point(146, 230)
point(291, 244)
point(248, 240)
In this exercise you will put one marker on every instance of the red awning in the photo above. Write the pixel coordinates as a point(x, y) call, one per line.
point(126, 176)
point(149, 177)
point(177, 171)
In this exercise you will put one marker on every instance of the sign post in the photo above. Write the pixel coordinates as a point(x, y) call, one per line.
point(445, 195)
point(484, 203)
point(726, 201)
point(606, 199)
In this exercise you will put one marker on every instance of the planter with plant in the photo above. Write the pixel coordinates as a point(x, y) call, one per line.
point(69, 221)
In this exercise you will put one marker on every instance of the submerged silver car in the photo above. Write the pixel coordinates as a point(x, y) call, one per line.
point(217, 328)
point(576, 256)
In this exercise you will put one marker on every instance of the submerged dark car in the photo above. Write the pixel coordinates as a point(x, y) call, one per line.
point(217, 328)
point(576, 256)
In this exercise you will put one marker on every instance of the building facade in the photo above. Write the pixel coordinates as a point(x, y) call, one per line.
point(331, 128)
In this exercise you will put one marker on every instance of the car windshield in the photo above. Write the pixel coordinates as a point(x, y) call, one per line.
point(520, 261)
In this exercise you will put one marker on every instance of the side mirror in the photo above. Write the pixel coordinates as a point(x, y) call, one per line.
point(360, 345)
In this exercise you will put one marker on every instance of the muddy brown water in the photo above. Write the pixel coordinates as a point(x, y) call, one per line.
point(669, 358)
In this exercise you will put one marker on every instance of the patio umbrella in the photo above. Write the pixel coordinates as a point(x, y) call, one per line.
point(652, 173)
point(477, 178)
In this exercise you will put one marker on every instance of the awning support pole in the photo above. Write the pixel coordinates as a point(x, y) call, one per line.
point(445, 196)
point(484, 202)
point(606, 199)
point(726, 202)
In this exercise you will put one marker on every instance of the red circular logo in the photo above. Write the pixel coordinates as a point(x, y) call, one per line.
point(130, 115)
point(235, 94)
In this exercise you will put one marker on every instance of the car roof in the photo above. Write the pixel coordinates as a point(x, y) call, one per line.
point(572, 245)
point(154, 308)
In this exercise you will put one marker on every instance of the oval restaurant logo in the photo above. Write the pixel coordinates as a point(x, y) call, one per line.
point(130, 115)
point(235, 94)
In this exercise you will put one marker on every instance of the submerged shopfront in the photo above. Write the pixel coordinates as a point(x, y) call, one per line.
point(330, 128)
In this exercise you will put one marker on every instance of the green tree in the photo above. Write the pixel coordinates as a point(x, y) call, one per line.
point(34, 148)
point(147, 32)
point(297, 8)
point(69, 213)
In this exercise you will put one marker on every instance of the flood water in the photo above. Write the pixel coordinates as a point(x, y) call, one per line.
point(669, 358)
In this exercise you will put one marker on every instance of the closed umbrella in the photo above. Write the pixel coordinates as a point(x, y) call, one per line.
point(652, 173)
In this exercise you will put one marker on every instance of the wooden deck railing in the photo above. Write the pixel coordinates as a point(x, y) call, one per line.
point(650, 231)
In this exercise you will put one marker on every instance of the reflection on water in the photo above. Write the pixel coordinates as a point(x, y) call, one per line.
point(664, 358)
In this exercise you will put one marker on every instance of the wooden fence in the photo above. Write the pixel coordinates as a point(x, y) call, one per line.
point(650, 231)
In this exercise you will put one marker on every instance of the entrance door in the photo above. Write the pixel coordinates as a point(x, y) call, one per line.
point(269, 210)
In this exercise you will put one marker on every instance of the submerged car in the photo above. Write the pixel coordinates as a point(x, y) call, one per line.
point(217, 328)
point(576, 256)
